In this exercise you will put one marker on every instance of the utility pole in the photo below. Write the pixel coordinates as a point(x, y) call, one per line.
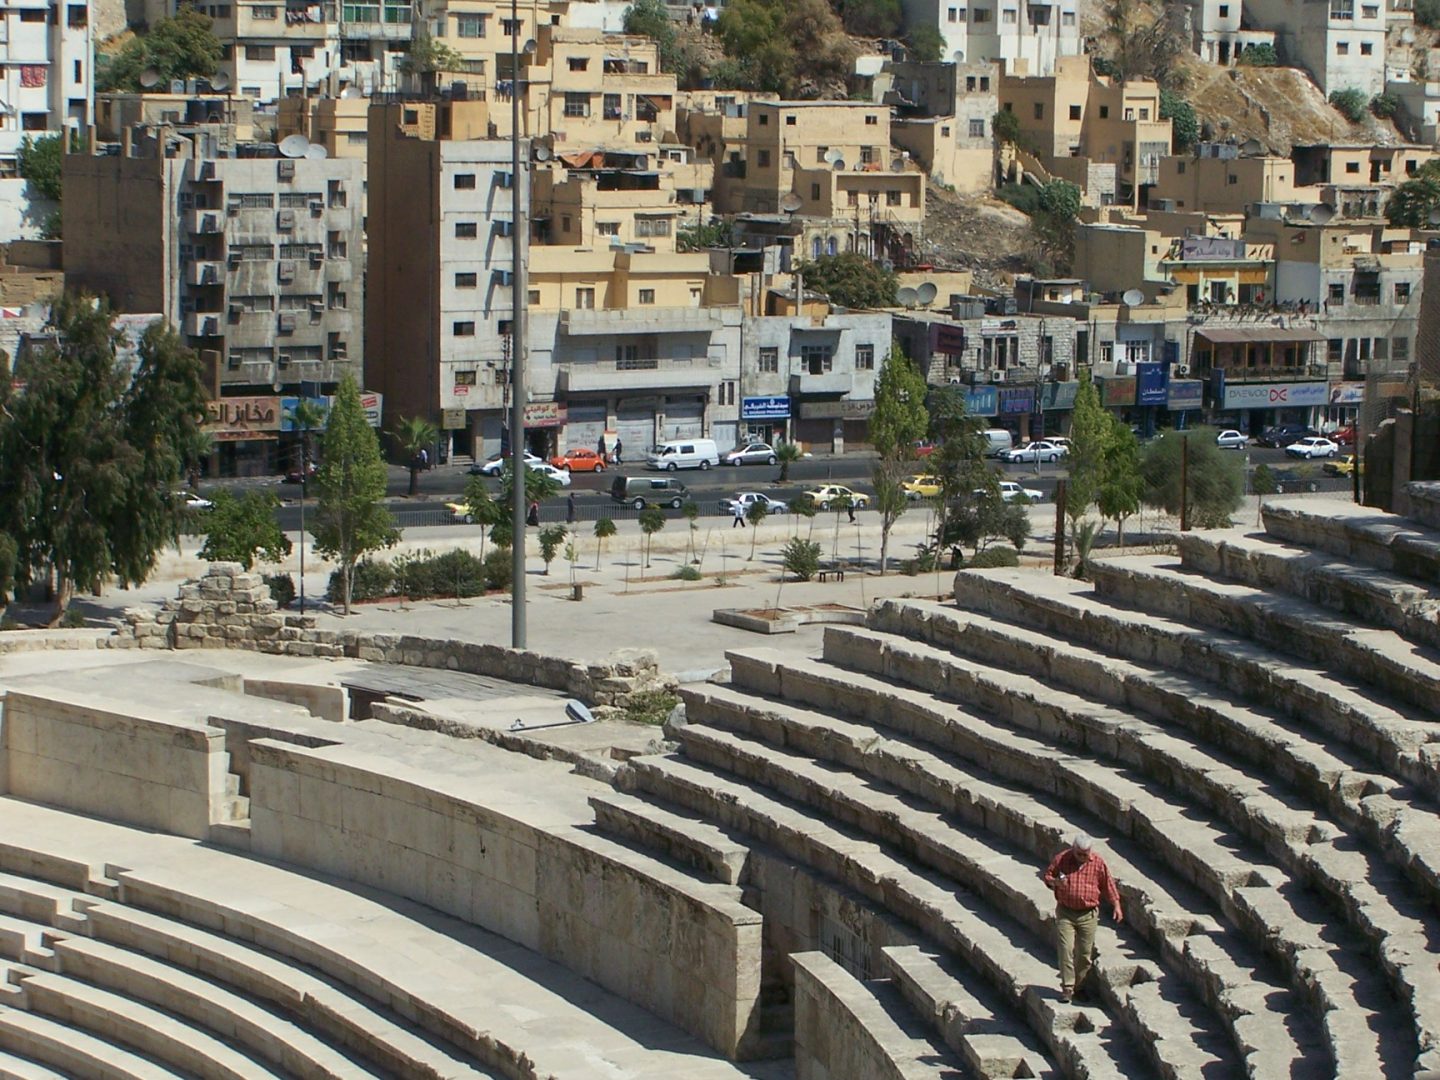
point(519, 231)
point(1060, 494)
point(1185, 484)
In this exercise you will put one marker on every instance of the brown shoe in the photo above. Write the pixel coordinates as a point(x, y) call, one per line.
point(1066, 993)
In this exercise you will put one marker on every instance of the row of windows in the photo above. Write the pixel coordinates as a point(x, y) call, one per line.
point(1132, 113)
point(816, 359)
point(1038, 16)
point(1345, 9)
point(1342, 48)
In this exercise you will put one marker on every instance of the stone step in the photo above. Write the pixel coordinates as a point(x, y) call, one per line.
point(1424, 496)
point(1155, 584)
point(148, 1031)
point(1409, 608)
point(1245, 1000)
point(234, 835)
point(316, 1003)
point(1209, 858)
point(990, 1044)
point(17, 1068)
point(681, 839)
point(1326, 774)
point(264, 1033)
point(1086, 1040)
point(1392, 735)
point(73, 1052)
point(1359, 534)
point(1394, 918)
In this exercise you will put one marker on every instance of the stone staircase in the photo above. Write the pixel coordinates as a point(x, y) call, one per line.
point(1249, 729)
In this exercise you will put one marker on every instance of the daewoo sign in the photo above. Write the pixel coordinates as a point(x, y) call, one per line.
point(1275, 395)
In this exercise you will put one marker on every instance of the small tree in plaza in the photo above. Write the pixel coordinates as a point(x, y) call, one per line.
point(755, 513)
point(899, 421)
point(652, 520)
point(242, 529)
point(604, 529)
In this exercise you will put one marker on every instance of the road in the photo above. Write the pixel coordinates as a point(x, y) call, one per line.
point(445, 483)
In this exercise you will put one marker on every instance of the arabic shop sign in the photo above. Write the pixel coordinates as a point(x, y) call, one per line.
point(774, 407)
point(1275, 395)
point(231, 419)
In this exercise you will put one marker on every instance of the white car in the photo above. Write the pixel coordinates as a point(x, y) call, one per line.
point(1011, 491)
point(1039, 450)
point(755, 453)
point(1230, 439)
point(1312, 447)
point(495, 465)
point(748, 499)
point(191, 501)
point(544, 468)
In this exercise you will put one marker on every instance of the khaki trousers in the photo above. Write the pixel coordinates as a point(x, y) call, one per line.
point(1076, 933)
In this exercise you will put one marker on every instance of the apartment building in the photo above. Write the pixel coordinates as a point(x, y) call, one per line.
point(1033, 35)
point(257, 258)
point(1219, 31)
point(1217, 179)
point(340, 124)
point(590, 90)
point(440, 290)
point(1340, 42)
point(943, 115)
point(46, 76)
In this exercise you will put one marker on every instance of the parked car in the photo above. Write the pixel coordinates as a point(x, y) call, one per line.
point(642, 491)
point(921, 486)
point(494, 465)
point(1341, 466)
point(1230, 439)
point(748, 499)
point(1011, 491)
point(1284, 434)
point(544, 468)
point(579, 460)
point(827, 494)
point(293, 476)
point(1345, 436)
point(461, 511)
point(755, 453)
point(1312, 447)
point(924, 448)
point(1039, 450)
point(997, 441)
point(193, 502)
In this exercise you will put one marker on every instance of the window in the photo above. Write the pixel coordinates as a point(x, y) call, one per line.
point(954, 14)
point(577, 105)
point(945, 131)
point(610, 107)
point(76, 15)
point(1402, 292)
point(467, 280)
point(466, 230)
point(1352, 166)
point(790, 121)
point(1232, 179)
point(465, 181)
point(261, 200)
point(532, 297)
point(1224, 11)
point(1342, 48)
point(652, 226)
point(1039, 110)
point(511, 27)
point(864, 357)
point(1337, 292)
point(577, 63)
point(1366, 49)
point(79, 73)
point(727, 393)
point(259, 52)
point(585, 299)
point(463, 329)
point(470, 26)
point(1144, 114)
point(769, 360)
point(1335, 350)
point(977, 129)
point(817, 359)
point(1067, 18)
point(982, 15)
point(1104, 112)
point(815, 191)
point(1370, 11)
point(764, 160)
point(607, 228)
point(892, 198)
point(871, 120)
point(32, 15)
point(266, 12)
point(820, 152)
point(253, 252)
point(1074, 112)
point(789, 159)
point(1400, 350)
point(338, 299)
point(764, 119)
point(647, 296)
point(336, 246)
point(1342, 9)
point(1008, 17)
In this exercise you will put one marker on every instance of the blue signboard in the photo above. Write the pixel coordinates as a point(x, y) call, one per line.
point(287, 412)
point(1185, 394)
point(1151, 384)
point(776, 407)
point(982, 401)
point(1017, 400)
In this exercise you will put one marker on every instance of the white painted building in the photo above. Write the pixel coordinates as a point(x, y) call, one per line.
point(46, 81)
point(1340, 42)
point(1028, 36)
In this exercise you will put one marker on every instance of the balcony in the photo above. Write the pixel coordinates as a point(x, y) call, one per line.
point(203, 324)
point(205, 273)
point(828, 382)
point(582, 322)
point(205, 222)
point(609, 375)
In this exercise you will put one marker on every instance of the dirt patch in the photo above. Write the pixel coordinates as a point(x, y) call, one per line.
point(978, 233)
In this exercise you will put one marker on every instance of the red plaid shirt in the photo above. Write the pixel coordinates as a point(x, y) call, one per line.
point(1085, 882)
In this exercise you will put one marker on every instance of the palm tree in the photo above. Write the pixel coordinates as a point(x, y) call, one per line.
point(307, 416)
point(415, 434)
point(786, 453)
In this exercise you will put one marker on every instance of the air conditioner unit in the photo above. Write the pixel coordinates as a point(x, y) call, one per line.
point(233, 359)
point(233, 210)
point(1180, 370)
point(338, 353)
point(286, 271)
point(287, 323)
point(283, 359)
point(235, 312)
point(187, 200)
point(997, 376)
point(285, 169)
point(317, 308)
point(317, 207)
point(285, 221)
point(210, 327)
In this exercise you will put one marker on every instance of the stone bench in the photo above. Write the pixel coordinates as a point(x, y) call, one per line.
point(15, 1068)
point(1092, 1046)
point(1411, 609)
point(1245, 886)
point(683, 839)
point(1359, 534)
point(1391, 734)
point(72, 1052)
point(1184, 938)
point(1424, 496)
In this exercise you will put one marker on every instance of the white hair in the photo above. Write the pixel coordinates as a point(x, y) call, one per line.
point(1082, 842)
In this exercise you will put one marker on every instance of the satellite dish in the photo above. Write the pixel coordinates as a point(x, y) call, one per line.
point(790, 202)
point(897, 164)
point(149, 79)
point(350, 93)
point(219, 82)
point(959, 56)
point(1434, 216)
point(1407, 36)
point(529, 47)
point(926, 294)
point(1321, 213)
point(838, 164)
point(578, 712)
point(908, 297)
point(316, 152)
point(832, 156)
point(294, 146)
point(1133, 297)
point(1252, 146)
point(540, 152)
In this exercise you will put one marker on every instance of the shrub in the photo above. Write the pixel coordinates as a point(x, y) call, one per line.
point(1384, 106)
point(651, 707)
point(993, 557)
point(282, 588)
point(1264, 55)
point(1184, 125)
point(73, 619)
point(801, 557)
point(1006, 125)
point(499, 573)
point(457, 573)
point(1350, 103)
point(373, 580)
point(686, 573)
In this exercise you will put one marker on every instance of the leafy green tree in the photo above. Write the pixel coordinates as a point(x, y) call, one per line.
point(39, 161)
point(91, 460)
point(691, 513)
point(803, 507)
point(652, 520)
point(1414, 200)
point(1262, 54)
point(8, 554)
point(1216, 478)
point(483, 510)
point(243, 529)
point(1384, 106)
point(1349, 103)
point(1005, 126)
point(801, 558)
point(851, 280)
point(871, 18)
point(1427, 12)
point(958, 460)
point(539, 486)
point(1121, 486)
point(783, 46)
point(427, 58)
point(1146, 41)
point(1263, 482)
point(649, 18)
point(899, 421)
point(604, 529)
point(982, 519)
point(717, 232)
point(551, 537)
point(1090, 432)
point(755, 515)
point(415, 433)
point(1184, 125)
point(1058, 206)
point(786, 454)
point(351, 520)
point(180, 46)
point(927, 44)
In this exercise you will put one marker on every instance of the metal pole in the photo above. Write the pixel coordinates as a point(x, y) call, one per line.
point(1185, 485)
point(1060, 494)
point(520, 227)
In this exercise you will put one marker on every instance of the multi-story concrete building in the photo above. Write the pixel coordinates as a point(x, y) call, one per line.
point(1340, 42)
point(46, 76)
point(257, 258)
point(943, 115)
point(1217, 179)
point(440, 291)
point(1220, 34)
point(1034, 36)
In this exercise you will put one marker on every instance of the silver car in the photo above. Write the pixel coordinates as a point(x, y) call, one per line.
point(1230, 439)
point(755, 453)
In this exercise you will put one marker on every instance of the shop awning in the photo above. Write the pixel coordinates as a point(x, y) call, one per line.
point(1249, 334)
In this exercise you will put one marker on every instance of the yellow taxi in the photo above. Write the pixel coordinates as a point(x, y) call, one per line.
point(921, 486)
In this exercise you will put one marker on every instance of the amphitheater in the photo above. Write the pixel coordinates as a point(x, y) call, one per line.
point(828, 869)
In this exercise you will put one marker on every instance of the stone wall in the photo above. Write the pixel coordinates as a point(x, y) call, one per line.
point(842, 1032)
point(69, 751)
point(689, 951)
point(230, 608)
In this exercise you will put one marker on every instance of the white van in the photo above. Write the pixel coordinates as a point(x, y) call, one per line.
point(997, 441)
point(684, 454)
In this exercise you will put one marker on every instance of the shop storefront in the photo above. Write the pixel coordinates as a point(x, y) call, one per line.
point(1256, 406)
point(766, 418)
point(1344, 407)
point(245, 432)
point(543, 421)
point(1184, 398)
point(1057, 402)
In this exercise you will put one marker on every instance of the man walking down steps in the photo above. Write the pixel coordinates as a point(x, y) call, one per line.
point(1079, 879)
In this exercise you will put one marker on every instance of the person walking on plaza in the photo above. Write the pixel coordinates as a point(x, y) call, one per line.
point(1080, 880)
point(738, 509)
point(618, 460)
point(570, 509)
